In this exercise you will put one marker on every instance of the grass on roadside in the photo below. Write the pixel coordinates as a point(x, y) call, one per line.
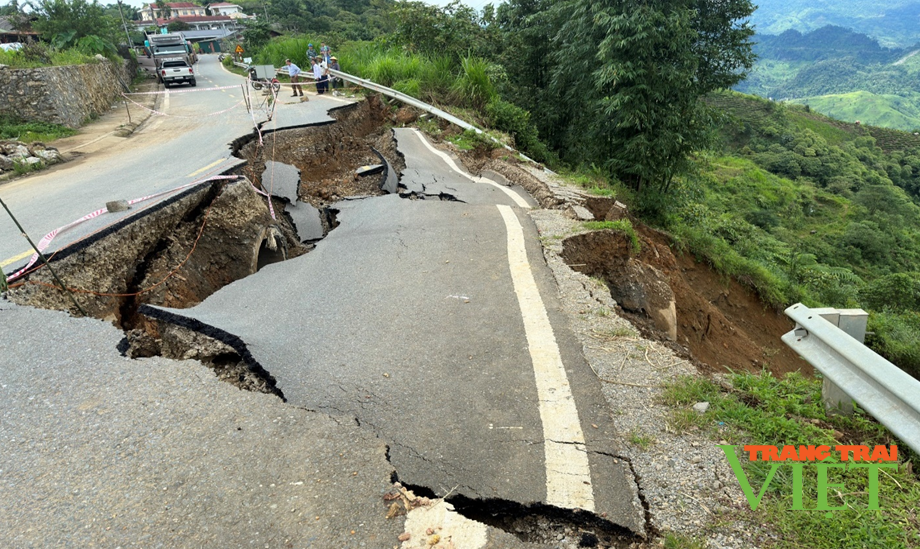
point(762, 409)
point(621, 226)
point(228, 64)
point(19, 60)
point(470, 140)
point(640, 439)
point(681, 541)
point(30, 132)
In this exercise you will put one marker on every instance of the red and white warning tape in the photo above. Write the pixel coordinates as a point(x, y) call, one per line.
point(189, 90)
point(161, 113)
point(46, 240)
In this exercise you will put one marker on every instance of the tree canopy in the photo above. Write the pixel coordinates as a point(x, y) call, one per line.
point(66, 22)
point(618, 83)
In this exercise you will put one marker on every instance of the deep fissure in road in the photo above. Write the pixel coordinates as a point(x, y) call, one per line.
point(179, 251)
point(537, 523)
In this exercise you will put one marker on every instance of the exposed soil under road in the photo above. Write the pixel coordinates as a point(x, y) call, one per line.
point(177, 252)
point(722, 323)
point(327, 155)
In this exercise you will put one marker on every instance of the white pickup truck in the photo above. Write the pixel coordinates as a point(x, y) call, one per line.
point(176, 72)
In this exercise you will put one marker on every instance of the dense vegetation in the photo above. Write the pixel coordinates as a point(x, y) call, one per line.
point(805, 208)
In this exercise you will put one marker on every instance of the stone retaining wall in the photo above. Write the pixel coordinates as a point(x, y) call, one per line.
point(63, 95)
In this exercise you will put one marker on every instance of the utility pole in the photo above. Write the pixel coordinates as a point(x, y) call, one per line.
point(127, 34)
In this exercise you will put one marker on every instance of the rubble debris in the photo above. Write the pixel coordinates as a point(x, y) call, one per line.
point(117, 206)
point(14, 152)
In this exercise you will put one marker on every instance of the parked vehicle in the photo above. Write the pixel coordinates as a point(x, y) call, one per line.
point(172, 46)
point(175, 71)
point(261, 79)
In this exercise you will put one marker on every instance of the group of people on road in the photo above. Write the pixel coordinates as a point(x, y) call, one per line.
point(321, 65)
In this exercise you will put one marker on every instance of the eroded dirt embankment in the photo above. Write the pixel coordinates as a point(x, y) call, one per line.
point(724, 324)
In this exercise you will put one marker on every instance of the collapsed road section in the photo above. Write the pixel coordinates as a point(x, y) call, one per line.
point(179, 250)
point(404, 317)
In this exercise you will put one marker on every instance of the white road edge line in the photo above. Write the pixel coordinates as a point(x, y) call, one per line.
point(568, 474)
point(518, 199)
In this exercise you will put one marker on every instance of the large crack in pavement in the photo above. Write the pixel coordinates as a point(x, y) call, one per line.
point(174, 335)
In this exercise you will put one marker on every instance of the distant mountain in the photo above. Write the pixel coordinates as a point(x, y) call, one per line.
point(894, 23)
point(829, 42)
point(840, 73)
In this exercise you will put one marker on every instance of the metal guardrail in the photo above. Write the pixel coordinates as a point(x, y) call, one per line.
point(409, 100)
point(853, 372)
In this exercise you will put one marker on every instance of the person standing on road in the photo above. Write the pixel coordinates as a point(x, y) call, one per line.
point(336, 81)
point(319, 73)
point(294, 72)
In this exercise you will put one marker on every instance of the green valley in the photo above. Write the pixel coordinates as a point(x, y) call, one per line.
point(890, 111)
point(840, 73)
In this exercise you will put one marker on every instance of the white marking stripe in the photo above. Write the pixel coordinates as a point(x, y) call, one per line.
point(450, 162)
point(568, 475)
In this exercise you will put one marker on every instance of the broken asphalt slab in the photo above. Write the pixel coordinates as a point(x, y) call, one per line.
point(433, 173)
point(392, 320)
point(101, 450)
point(104, 450)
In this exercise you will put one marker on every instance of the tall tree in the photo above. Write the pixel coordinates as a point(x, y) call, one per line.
point(65, 22)
point(629, 75)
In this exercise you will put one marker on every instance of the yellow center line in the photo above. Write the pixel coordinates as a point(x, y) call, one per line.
point(12, 260)
point(206, 168)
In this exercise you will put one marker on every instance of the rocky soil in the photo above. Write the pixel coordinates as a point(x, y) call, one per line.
point(26, 155)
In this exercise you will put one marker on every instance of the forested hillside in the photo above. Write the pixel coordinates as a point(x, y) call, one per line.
point(809, 208)
point(840, 73)
point(892, 22)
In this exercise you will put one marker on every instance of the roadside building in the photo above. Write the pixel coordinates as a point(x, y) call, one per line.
point(12, 31)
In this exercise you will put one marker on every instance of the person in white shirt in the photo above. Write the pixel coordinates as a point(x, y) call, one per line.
point(319, 73)
point(294, 72)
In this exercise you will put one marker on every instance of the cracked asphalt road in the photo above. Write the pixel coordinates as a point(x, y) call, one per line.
point(406, 318)
point(101, 450)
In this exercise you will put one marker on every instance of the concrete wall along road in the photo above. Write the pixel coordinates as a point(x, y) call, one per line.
point(67, 95)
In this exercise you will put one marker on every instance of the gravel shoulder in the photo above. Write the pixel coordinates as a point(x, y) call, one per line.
point(685, 480)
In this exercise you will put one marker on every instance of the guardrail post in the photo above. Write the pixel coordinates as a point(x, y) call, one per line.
point(883, 390)
point(853, 323)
